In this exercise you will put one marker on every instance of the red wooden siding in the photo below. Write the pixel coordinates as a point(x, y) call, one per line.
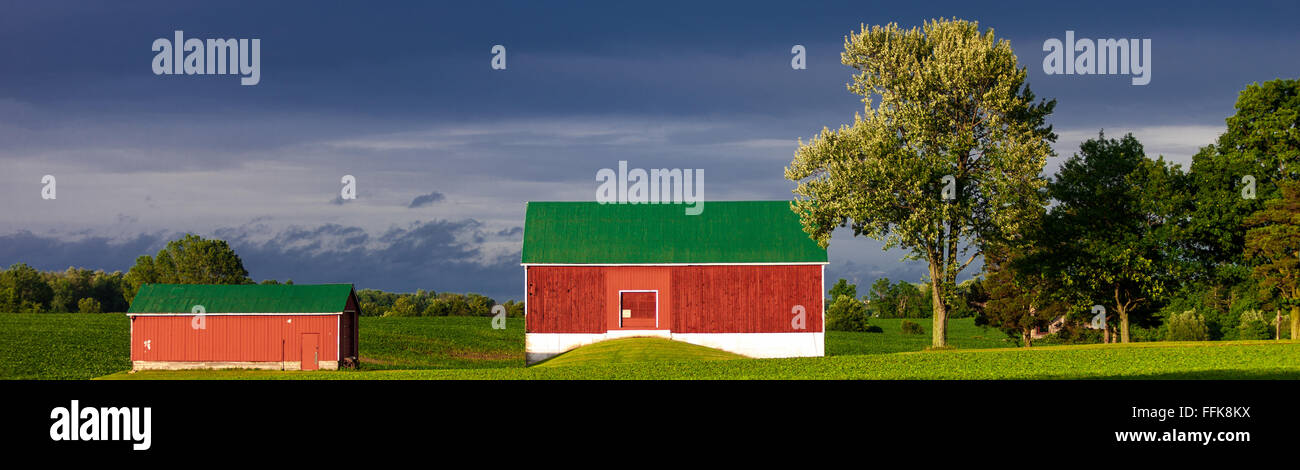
point(745, 299)
point(563, 299)
point(691, 299)
point(231, 338)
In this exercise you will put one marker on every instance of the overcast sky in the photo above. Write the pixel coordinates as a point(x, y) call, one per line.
point(446, 150)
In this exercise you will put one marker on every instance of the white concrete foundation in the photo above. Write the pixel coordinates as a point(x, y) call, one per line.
point(180, 365)
point(542, 346)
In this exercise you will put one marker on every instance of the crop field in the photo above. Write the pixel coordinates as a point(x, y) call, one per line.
point(63, 345)
point(81, 346)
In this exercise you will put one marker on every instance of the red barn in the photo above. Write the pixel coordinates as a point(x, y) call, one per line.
point(742, 276)
point(281, 327)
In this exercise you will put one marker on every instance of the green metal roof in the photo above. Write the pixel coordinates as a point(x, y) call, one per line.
point(726, 232)
point(250, 298)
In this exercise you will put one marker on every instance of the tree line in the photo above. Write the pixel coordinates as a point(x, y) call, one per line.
point(195, 260)
point(947, 161)
point(423, 303)
point(846, 311)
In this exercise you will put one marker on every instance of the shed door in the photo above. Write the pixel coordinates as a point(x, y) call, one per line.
point(310, 351)
point(638, 309)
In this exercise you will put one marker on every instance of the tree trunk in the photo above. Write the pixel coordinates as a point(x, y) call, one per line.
point(1123, 324)
point(1277, 324)
point(1027, 338)
point(1122, 309)
point(940, 325)
point(939, 337)
point(1295, 322)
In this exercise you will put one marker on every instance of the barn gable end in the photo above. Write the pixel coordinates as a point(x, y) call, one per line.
point(742, 276)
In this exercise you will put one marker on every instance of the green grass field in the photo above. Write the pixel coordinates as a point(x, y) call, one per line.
point(635, 350)
point(962, 334)
point(1190, 360)
point(80, 346)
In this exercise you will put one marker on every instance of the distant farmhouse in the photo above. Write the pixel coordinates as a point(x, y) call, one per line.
point(280, 327)
point(742, 277)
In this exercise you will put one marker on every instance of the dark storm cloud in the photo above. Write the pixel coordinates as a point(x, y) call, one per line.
point(416, 66)
point(426, 199)
point(435, 255)
point(430, 60)
point(439, 255)
point(407, 67)
point(94, 252)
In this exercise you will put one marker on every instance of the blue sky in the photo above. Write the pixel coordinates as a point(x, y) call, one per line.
point(446, 150)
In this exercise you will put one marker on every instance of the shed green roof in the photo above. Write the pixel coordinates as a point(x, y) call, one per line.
point(250, 298)
point(726, 232)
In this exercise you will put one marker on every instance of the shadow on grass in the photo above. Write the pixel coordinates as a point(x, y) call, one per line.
point(1217, 374)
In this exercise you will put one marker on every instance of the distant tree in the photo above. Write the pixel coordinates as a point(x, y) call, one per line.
point(479, 305)
point(1228, 182)
point(879, 289)
point(188, 260)
point(950, 157)
point(1106, 237)
point(405, 306)
point(911, 301)
point(963, 308)
point(23, 289)
point(69, 288)
point(1186, 326)
point(449, 304)
point(66, 289)
point(901, 300)
point(422, 299)
point(1017, 301)
point(145, 271)
point(1253, 325)
point(841, 288)
point(457, 304)
point(514, 309)
point(375, 302)
point(89, 305)
point(108, 288)
point(846, 313)
point(1273, 246)
point(1262, 142)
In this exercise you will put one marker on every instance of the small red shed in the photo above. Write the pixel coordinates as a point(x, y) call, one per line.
point(282, 327)
point(742, 276)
